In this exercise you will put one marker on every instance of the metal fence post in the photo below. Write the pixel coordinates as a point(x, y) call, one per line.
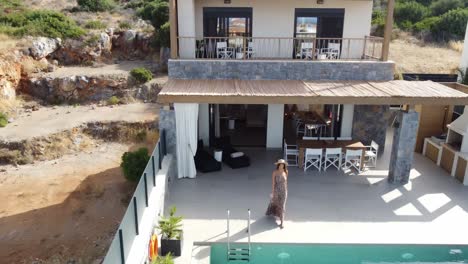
point(122, 253)
point(163, 138)
point(146, 189)
point(137, 231)
point(160, 155)
point(154, 171)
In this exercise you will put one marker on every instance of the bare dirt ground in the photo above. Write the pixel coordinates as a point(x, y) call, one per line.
point(69, 206)
point(48, 120)
point(412, 56)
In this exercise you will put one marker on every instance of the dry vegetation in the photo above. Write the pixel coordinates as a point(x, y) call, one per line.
point(414, 56)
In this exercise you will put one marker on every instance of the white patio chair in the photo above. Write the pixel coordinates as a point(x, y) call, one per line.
point(371, 154)
point(223, 51)
point(306, 50)
point(250, 50)
point(310, 129)
point(313, 158)
point(332, 158)
point(344, 138)
point(353, 159)
point(291, 151)
point(310, 138)
point(332, 52)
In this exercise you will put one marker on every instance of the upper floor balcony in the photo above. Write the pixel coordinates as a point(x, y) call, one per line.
point(265, 39)
point(280, 48)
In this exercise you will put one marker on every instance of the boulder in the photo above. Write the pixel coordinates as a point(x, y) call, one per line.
point(41, 47)
point(10, 76)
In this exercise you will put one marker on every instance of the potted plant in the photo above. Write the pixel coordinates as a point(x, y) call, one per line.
point(163, 260)
point(171, 234)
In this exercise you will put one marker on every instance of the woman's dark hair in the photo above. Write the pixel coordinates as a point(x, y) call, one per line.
point(285, 167)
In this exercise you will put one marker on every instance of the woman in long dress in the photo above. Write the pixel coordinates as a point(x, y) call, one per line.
point(279, 192)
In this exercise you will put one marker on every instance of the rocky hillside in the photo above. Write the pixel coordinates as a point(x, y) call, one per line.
point(62, 51)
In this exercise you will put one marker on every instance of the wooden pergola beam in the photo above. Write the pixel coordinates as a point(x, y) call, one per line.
point(173, 28)
point(388, 29)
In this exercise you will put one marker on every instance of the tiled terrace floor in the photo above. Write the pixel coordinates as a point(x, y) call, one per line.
point(323, 207)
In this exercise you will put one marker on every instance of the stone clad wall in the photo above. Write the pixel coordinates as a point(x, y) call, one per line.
point(281, 70)
point(404, 140)
point(371, 123)
point(167, 123)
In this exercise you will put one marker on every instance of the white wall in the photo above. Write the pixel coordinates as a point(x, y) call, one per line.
point(276, 19)
point(204, 124)
point(347, 120)
point(464, 58)
point(275, 126)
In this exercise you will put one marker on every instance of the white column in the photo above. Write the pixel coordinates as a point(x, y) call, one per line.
point(204, 124)
point(275, 126)
point(347, 120)
point(186, 19)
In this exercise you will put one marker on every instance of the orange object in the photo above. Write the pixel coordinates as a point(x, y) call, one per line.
point(153, 247)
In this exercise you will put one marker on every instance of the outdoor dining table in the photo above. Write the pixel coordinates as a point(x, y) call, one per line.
point(302, 144)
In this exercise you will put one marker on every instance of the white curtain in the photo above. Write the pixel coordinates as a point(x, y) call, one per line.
point(187, 130)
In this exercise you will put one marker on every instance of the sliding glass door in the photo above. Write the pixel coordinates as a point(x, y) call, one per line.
point(227, 22)
point(317, 31)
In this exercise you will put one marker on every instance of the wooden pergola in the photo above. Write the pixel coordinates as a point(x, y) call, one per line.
point(310, 92)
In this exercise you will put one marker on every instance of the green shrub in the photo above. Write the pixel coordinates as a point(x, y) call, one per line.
point(133, 164)
point(91, 40)
point(96, 5)
point(125, 25)
point(39, 23)
point(3, 120)
point(426, 24)
point(9, 6)
point(163, 259)
point(156, 11)
point(95, 24)
point(441, 7)
point(141, 74)
point(113, 100)
point(451, 24)
point(164, 35)
point(408, 13)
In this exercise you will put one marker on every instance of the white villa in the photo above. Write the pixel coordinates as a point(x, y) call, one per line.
point(252, 81)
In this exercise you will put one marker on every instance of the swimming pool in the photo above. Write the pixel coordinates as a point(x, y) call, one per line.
point(270, 253)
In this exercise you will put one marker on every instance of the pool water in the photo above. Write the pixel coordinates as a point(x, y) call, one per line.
point(337, 253)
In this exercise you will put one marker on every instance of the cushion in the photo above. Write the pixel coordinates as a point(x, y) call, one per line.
point(237, 154)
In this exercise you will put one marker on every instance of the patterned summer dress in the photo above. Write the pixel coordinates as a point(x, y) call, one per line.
point(277, 204)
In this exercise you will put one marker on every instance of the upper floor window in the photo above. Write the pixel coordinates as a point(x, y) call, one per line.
point(227, 22)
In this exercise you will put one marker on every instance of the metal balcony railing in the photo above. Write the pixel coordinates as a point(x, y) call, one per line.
point(280, 48)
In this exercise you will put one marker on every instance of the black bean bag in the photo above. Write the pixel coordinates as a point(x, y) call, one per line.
point(204, 162)
point(224, 143)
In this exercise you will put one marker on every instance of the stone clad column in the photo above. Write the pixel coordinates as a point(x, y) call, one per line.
point(404, 141)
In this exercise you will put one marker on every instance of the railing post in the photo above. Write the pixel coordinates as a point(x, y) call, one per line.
point(314, 46)
point(163, 140)
point(154, 170)
point(135, 213)
point(146, 189)
point(160, 155)
point(122, 253)
point(364, 48)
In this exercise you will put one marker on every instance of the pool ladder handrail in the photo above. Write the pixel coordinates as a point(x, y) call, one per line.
point(238, 252)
